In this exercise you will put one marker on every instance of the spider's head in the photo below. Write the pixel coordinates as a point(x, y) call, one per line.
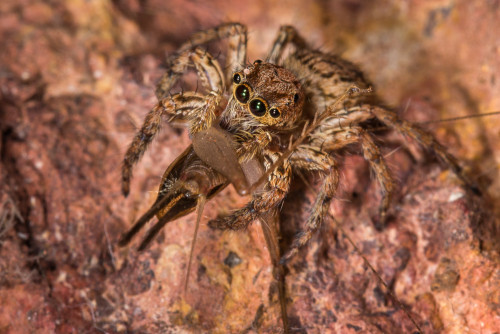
point(269, 94)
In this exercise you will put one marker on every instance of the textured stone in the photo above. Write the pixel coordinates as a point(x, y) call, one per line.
point(78, 77)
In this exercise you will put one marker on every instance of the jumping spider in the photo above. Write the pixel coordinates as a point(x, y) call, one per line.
point(274, 118)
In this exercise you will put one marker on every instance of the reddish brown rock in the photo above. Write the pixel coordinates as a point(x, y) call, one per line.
point(78, 77)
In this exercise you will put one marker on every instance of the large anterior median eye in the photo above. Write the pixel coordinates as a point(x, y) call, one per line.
point(257, 107)
point(242, 93)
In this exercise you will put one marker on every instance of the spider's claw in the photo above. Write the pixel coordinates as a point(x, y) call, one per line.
point(285, 258)
point(126, 176)
point(217, 224)
point(379, 222)
point(125, 189)
point(475, 189)
point(238, 220)
point(300, 240)
point(472, 186)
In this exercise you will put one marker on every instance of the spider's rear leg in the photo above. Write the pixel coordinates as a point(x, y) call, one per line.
point(287, 35)
point(423, 138)
point(195, 108)
point(207, 68)
point(177, 63)
point(309, 159)
point(371, 153)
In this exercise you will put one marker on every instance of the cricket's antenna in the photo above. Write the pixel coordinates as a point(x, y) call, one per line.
point(199, 211)
point(446, 120)
point(460, 118)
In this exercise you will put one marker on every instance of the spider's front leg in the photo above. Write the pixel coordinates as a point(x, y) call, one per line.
point(262, 202)
point(197, 110)
point(177, 63)
point(312, 159)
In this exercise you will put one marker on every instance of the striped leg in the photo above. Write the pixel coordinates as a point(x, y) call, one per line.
point(286, 35)
point(237, 35)
point(372, 154)
point(333, 138)
point(207, 68)
point(195, 108)
point(423, 138)
point(262, 202)
point(309, 158)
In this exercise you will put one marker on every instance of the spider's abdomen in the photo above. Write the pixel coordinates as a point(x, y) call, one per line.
point(329, 76)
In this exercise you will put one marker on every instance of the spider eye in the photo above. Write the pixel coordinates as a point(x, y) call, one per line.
point(295, 98)
point(236, 78)
point(257, 107)
point(274, 112)
point(257, 62)
point(242, 93)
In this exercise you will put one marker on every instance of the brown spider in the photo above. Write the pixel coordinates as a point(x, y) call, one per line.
point(275, 118)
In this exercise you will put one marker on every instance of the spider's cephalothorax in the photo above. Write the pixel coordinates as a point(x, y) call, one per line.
point(264, 96)
point(243, 131)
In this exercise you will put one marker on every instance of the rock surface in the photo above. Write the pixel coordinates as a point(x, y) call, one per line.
point(78, 77)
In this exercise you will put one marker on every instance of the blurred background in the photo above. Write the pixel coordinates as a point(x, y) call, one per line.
point(76, 79)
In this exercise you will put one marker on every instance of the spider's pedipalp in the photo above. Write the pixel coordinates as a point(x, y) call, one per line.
point(263, 201)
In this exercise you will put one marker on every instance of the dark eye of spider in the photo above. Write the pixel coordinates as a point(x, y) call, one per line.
point(258, 61)
point(257, 107)
point(236, 78)
point(295, 98)
point(275, 113)
point(242, 93)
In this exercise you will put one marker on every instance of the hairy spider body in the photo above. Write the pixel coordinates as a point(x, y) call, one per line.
point(240, 131)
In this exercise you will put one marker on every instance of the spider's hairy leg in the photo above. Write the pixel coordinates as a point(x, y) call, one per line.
point(286, 35)
point(310, 158)
point(371, 153)
point(423, 138)
point(253, 145)
point(336, 139)
point(207, 68)
point(185, 106)
point(263, 201)
point(237, 35)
